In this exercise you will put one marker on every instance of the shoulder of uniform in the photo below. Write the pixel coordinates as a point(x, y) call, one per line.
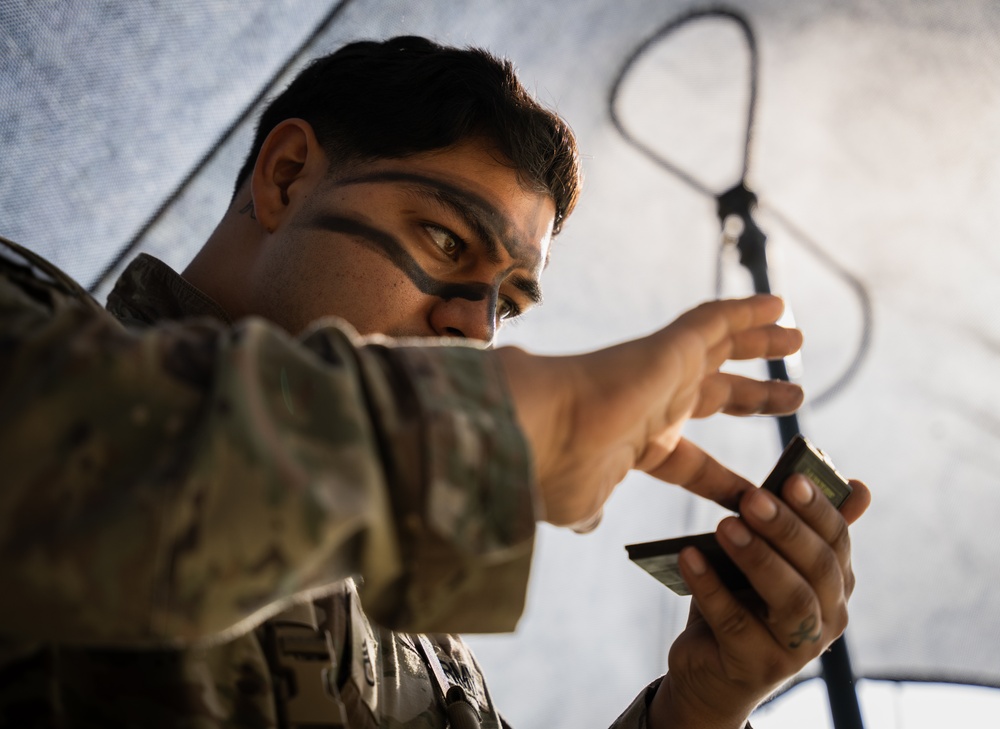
point(43, 270)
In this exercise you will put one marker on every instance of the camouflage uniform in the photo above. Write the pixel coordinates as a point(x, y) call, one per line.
point(188, 511)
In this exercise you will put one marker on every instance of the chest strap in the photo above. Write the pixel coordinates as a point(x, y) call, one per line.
point(460, 711)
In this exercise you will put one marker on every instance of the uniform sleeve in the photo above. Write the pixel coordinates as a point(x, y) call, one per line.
point(184, 483)
point(634, 716)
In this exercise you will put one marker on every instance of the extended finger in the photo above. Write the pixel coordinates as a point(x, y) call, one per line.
point(717, 323)
point(737, 395)
point(689, 466)
point(721, 319)
point(770, 341)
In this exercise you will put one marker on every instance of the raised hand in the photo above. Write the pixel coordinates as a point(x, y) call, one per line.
point(591, 418)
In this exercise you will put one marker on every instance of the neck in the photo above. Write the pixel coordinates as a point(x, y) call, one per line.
point(223, 265)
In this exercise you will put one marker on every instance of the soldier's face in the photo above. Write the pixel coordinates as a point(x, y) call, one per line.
point(444, 243)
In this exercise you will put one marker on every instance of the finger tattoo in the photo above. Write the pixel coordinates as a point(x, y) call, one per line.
point(808, 630)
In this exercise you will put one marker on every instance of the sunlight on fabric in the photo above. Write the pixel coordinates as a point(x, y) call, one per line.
point(887, 705)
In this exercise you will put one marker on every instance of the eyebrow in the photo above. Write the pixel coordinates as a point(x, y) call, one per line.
point(529, 287)
point(488, 223)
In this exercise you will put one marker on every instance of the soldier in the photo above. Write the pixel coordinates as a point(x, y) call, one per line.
point(209, 491)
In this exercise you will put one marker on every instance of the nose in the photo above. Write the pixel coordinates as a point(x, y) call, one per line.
point(459, 317)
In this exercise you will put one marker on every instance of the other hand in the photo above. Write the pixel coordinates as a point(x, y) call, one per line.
point(737, 650)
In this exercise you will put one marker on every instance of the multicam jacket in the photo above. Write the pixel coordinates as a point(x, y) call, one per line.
point(193, 512)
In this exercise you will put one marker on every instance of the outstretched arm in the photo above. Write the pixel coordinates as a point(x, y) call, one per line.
point(183, 482)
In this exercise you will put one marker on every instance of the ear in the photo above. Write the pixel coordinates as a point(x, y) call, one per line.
point(289, 164)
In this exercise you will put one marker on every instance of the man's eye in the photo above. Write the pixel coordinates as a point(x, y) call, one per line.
point(449, 243)
point(507, 309)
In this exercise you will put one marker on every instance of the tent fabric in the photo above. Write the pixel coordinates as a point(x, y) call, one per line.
point(122, 126)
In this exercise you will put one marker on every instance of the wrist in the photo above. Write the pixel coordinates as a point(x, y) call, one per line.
point(674, 707)
point(541, 391)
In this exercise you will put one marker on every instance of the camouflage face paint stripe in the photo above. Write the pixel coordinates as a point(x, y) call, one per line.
point(489, 224)
point(393, 250)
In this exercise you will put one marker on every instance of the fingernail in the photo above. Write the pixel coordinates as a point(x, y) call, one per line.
point(694, 561)
point(801, 490)
point(762, 506)
point(737, 533)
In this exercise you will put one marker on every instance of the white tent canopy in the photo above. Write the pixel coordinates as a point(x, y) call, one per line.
point(122, 126)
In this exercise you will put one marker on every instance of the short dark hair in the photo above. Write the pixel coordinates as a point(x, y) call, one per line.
point(390, 99)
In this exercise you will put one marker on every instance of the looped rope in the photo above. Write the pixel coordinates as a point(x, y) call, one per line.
point(750, 235)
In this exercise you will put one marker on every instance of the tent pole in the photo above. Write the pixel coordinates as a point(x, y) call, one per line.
point(837, 673)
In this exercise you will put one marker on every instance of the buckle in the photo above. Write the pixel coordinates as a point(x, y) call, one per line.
point(301, 659)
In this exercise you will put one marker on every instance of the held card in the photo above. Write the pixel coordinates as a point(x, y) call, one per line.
point(660, 558)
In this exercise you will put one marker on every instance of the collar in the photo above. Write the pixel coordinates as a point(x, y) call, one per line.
point(149, 291)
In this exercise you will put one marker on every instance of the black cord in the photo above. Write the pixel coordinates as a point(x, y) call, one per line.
point(796, 233)
point(640, 50)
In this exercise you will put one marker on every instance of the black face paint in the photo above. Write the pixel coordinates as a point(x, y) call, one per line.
point(390, 247)
point(489, 224)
